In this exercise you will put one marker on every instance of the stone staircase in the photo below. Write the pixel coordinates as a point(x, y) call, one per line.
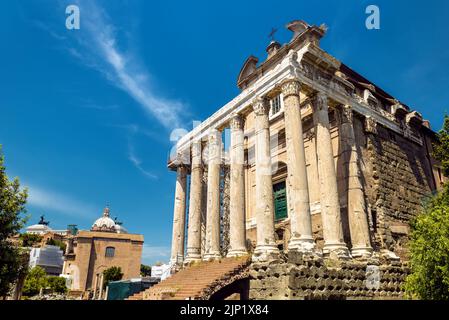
point(198, 281)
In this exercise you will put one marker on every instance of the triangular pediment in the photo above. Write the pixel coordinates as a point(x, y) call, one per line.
point(248, 68)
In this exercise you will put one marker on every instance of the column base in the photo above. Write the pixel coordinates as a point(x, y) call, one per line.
point(361, 252)
point(301, 244)
point(265, 253)
point(236, 253)
point(211, 256)
point(194, 257)
point(336, 250)
point(177, 261)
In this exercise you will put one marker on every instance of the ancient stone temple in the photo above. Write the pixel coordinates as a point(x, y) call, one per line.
point(325, 172)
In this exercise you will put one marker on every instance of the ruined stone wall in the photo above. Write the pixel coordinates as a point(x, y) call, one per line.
point(398, 178)
point(301, 277)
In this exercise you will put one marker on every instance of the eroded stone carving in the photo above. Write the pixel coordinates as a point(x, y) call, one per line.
point(260, 106)
point(346, 114)
point(370, 125)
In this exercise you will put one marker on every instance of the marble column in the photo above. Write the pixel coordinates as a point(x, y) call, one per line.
point(213, 197)
point(297, 183)
point(237, 230)
point(266, 247)
point(357, 212)
point(177, 249)
point(334, 244)
point(196, 188)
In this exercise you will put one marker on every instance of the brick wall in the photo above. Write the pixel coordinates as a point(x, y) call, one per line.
point(398, 178)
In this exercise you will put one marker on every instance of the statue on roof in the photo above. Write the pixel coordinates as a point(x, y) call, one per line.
point(117, 222)
point(43, 222)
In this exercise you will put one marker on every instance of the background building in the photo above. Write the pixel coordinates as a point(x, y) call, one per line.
point(50, 258)
point(106, 245)
point(42, 227)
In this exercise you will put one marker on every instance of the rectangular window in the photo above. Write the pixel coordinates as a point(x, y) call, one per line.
point(110, 252)
point(275, 105)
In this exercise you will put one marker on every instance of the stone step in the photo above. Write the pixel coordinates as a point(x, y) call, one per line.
point(191, 281)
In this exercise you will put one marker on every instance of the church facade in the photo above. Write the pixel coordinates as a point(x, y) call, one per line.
point(90, 252)
point(321, 163)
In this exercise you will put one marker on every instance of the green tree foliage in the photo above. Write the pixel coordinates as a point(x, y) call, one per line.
point(441, 149)
point(12, 204)
point(37, 279)
point(429, 251)
point(112, 274)
point(429, 242)
point(34, 281)
point(57, 284)
point(29, 240)
point(145, 271)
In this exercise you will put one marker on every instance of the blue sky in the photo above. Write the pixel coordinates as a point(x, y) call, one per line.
point(86, 114)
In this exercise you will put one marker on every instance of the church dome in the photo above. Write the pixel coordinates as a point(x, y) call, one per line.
point(105, 223)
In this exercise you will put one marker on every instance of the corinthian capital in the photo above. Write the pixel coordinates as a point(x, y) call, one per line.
point(260, 106)
point(214, 137)
point(320, 102)
point(290, 87)
point(196, 152)
point(346, 114)
point(236, 122)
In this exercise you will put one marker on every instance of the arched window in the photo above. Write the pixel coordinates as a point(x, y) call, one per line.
point(110, 252)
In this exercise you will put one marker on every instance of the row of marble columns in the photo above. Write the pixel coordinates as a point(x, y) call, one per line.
point(297, 185)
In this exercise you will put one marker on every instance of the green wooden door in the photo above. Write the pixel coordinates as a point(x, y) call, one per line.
point(280, 201)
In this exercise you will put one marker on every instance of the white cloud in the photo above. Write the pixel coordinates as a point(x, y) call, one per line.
point(137, 162)
point(60, 203)
point(153, 254)
point(122, 70)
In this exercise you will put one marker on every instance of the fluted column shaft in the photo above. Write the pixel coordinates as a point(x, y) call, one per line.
point(177, 249)
point(194, 229)
point(237, 230)
point(266, 242)
point(213, 197)
point(357, 213)
point(334, 244)
point(297, 182)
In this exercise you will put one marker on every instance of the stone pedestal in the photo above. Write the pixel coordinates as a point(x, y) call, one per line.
point(213, 197)
point(334, 244)
point(177, 250)
point(237, 234)
point(357, 213)
point(297, 183)
point(266, 248)
point(194, 229)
